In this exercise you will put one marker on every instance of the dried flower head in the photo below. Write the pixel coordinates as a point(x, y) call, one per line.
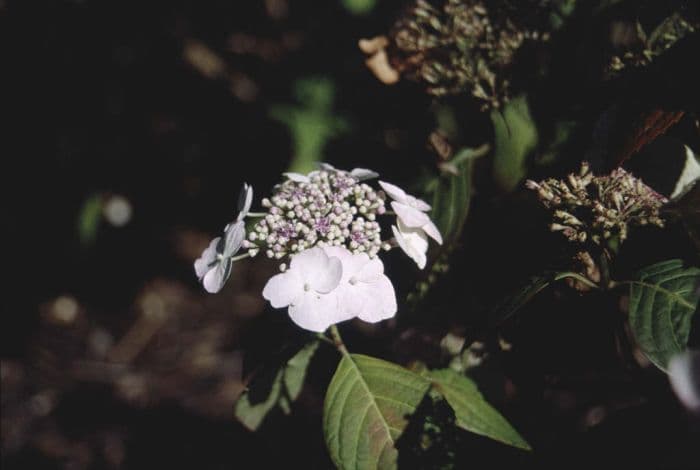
point(599, 208)
point(646, 47)
point(462, 45)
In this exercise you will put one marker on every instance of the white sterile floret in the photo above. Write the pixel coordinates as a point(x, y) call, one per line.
point(297, 177)
point(213, 268)
point(412, 241)
point(415, 219)
point(364, 290)
point(400, 196)
point(360, 174)
point(308, 288)
point(245, 200)
point(413, 224)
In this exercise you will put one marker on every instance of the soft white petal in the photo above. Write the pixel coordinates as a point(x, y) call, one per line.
point(339, 252)
point(432, 231)
point(297, 177)
point(321, 272)
point(399, 195)
point(326, 166)
point(245, 200)
point(370, 270)
point(684, 373)
point(413, 242)
point(326, 279)
point(204, 263)
point(363, 174)
point(689, 176)
point(316, 312)
point(396, 193)
point(410, 216)
point(215, 279)
point(419, 204)
point(352, 263)
point(234, 236)
point(282, 289)
point(382, 304)
point(352, 298)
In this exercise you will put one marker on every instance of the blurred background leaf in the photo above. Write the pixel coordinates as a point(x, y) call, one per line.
point(515, 136)
point(89, 219)
point(359, 7)
point(311, 123)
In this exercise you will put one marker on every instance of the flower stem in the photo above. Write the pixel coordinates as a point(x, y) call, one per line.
point(325, 338)
point(338, 341)
point(578, 277)
point(605, 281)
point(256, 214)
point(240, 257)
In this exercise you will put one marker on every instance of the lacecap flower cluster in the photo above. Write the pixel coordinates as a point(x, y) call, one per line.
point(324, 229)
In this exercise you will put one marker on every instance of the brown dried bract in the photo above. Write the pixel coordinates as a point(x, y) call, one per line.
point(378, 62)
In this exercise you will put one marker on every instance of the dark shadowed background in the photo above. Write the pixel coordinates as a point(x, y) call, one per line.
point(130, 127)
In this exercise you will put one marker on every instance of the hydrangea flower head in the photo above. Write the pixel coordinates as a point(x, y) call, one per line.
point(326, 224)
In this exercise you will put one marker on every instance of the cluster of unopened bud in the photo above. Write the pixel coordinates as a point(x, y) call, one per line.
point(460, 46)
point(599, 208)
point(327, 208)
point(648, 47)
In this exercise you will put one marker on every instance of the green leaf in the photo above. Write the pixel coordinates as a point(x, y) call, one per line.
point(274, 387)
point(472, 411)
point(663, 300)
point(367, 406)
point(451, 197)
point(515, 136)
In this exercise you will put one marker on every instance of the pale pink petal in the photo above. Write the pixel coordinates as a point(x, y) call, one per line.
point(316, 312)
point(393, 191)
point(282, 289)
point(410, 216)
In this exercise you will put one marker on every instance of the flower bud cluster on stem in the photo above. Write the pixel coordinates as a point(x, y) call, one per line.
point(599, 209)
